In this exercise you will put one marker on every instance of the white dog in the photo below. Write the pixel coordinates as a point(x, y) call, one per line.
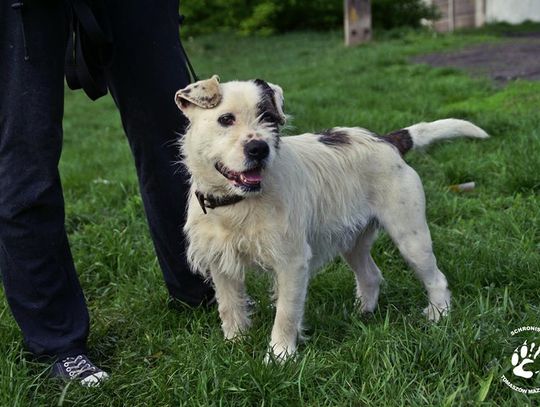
point(289, 205)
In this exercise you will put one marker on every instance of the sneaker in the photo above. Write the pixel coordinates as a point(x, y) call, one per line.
point(79, 368)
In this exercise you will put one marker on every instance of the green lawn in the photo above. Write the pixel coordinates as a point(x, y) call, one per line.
point(486, 241)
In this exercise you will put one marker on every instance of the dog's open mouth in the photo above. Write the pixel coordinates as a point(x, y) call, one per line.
point(249, 180)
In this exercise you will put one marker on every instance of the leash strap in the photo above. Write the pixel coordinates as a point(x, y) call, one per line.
point(194, 77)
point(88, 50)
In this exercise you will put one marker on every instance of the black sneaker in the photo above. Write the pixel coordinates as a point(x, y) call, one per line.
point(79, 368)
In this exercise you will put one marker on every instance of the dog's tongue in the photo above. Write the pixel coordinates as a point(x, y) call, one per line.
point(252, 176)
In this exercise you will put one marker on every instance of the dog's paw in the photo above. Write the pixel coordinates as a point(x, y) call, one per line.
point(233, 336)
point(434, 313)
point(364, 307)
point(279, 354)
point(234, 331)
point(524, 355)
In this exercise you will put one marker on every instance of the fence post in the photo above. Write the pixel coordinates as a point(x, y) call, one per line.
point(357, 21)
point(480, 14)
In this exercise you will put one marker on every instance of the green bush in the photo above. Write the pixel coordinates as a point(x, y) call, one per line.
point(277, 16)
point(388, 14)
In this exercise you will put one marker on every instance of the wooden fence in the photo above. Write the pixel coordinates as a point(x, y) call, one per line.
point(459, 14)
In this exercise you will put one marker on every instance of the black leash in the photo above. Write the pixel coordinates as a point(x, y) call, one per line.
point(88, 51)
point(194, 77)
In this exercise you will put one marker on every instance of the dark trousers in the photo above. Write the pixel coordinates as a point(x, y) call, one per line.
point(39, 277)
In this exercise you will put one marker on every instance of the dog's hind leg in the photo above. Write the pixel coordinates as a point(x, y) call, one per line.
point(403, 217)
point(368, 275)
point(232, 304)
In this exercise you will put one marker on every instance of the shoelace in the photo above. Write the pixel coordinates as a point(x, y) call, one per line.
point(77, 366)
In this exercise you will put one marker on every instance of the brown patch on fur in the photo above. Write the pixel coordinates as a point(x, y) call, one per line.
point(334, 138)
point(400, 139)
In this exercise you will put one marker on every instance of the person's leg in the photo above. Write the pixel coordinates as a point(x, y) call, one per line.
point(37, 270)
point(146, 71)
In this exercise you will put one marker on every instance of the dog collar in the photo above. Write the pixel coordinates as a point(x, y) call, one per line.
point(211, 201)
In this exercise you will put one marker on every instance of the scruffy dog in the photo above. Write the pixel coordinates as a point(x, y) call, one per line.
point(289, 205)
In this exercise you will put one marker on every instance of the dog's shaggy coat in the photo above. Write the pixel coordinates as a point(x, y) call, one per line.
point(289, 205)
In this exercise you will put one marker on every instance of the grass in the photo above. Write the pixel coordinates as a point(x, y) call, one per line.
point(487, 243)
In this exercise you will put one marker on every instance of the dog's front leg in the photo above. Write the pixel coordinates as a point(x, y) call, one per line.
point(291, 286)
point(232, 304)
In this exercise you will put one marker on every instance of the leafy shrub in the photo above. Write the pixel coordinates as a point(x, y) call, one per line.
point(388, 14)
point(275, 16)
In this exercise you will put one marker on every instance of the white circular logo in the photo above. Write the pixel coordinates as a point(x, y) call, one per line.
point(525, 361)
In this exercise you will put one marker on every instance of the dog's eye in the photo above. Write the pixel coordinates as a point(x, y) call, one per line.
point(226, 119)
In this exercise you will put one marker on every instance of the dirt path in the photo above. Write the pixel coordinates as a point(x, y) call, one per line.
point(519, 57)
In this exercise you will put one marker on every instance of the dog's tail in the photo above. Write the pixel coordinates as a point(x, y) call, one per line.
point(423, 134)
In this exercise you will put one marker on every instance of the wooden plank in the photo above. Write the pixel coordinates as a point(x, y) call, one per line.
point(457, 14)
point(357, 21)
point(480, 19)
point(442, 6)
point(464, 7)
point(451, 15)
point(441, 26)
point(464, 21)
point(441, 3)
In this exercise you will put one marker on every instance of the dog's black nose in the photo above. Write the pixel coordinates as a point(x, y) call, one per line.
point(257, 149)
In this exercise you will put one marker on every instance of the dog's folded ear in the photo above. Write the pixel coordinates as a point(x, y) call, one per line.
point(279, 101)
point(205, 94)
point(274, 94)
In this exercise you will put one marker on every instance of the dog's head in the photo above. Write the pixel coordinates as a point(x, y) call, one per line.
point(233, 134)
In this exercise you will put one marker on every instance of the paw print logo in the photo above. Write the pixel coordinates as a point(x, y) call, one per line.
point(525, 361)
point(523, 356)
